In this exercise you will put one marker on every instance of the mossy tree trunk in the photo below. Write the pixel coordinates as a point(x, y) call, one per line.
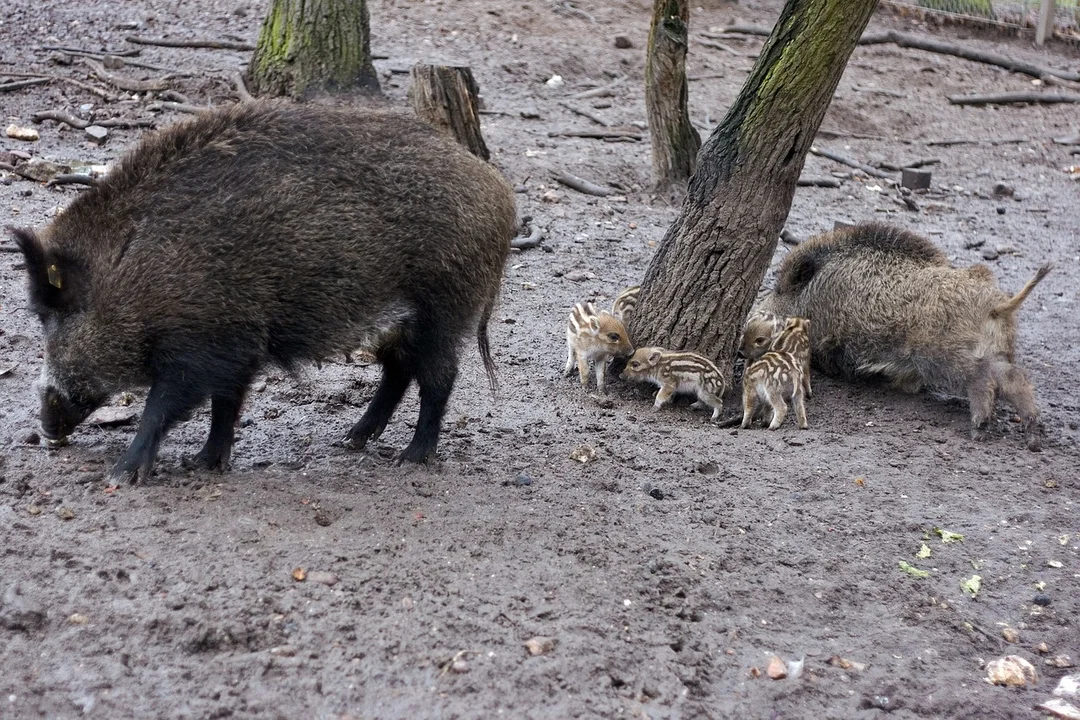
point(675, 142)
point(313, 46)
point(709, 266)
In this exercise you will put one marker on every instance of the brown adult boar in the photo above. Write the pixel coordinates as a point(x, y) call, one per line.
point(268, 233)
point(885, 302)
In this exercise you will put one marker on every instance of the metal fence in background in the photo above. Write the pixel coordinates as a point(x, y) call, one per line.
point(1042, 18)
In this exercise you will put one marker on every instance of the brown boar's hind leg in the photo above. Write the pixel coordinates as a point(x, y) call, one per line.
point(981, 392)
point(435, 374)
point(170, 399)
point(395, 381)
point(1015, 389)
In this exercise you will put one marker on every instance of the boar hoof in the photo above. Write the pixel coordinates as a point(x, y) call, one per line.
point(978, 434)
point(206, 460)
point(129, 471)
point(418, 454)
point(1034, 437)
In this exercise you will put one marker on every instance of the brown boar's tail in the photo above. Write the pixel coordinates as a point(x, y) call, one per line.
point(1009, 306)
point(485, 348)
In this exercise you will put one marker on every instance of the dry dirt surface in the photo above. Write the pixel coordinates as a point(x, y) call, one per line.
point(668, 569)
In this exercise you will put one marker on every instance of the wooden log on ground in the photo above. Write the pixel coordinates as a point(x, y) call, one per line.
point(1009, 98)
point(447, 97)
point(583, 186)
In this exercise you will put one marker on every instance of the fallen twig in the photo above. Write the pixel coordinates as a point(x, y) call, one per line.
point(583, 186)
point(90, 53)
point(1068, 139)
point(72, 179)
point(80, 124)
point(174, 96)
point(19, 84)
point(845, 160)
point(178, 107)
point(122, 82)
point(1060, 82)
point(103, 94)
point(603, 91)
point(825, 182)
point(707, 76)
point(241, 88)
point(7, 167)
point(897, 167)
point(597, 134)
point(907, 40)
point(1013, 97)
point(210, 44)
point(585, 113)
point(879, 91)
point(719, 46)
point(976, 141)
point(536, 236)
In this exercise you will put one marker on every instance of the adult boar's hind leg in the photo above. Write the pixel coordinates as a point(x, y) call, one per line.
point(395, 381)
point(436, 369)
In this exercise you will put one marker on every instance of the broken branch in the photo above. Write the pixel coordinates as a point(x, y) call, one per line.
point(80, 124)
point(825, 182)
point(72, 179)
point(241, 88)
point(536, 236)
point(19, 84)
point(604, 91)
point(597, 134)
point(585, 113)
point(1013, 97)
point(122, 82)
point(583, 186)
point(178, 107)
point(845, 160)
point(210, 44)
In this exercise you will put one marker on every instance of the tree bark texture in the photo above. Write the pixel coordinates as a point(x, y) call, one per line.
point(448, 98)
point(312, 46)
point(709, 266)
point(675, 141)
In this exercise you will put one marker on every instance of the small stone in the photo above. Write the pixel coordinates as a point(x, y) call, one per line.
point(540, 645)
point(112, 416)
point(459, 666)
point(78, 619)
point(407, 602)
point(656, 494)
point(1042, 648)
point(283, 651)
point(22, 133)
point(1041, 599)
point(1000, 210)
point(622, 42)
point(175, 602)
point(322, 576)
point(583, 454)
point(1011, 671)
point(777, 668)
point(299, 574)
point(523, 481)
point(550, 197)
point(65, 513)
point(34, 509)
point(31, 438)
point(1060, 661)
point(708, 468)
point(1003, 190)
point(990, 254)
point(96, 134)
point(579, 275)
point(322, 519)
point(1010, 635)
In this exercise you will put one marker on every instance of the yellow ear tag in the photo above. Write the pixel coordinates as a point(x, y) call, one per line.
point(54, 277)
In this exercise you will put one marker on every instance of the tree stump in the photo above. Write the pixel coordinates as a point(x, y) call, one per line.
point(675, 141)
point(447, 97)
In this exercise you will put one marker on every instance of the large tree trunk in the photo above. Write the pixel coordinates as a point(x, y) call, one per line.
point(448, 97)
point(709, 266)
point(311, 46)
point(675, 142)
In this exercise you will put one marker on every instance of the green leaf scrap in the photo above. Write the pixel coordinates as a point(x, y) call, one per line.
point(948, 537)
point(912, 570)
point(924, 552)
point(971, 585)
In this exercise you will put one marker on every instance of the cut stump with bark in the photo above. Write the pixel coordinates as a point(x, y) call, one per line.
point(675, 141)
point(707, 270)
point(447, 97)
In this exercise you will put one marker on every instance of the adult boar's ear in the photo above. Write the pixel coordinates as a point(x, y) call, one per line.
point(53, 282)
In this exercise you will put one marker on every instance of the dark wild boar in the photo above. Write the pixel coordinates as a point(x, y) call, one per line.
point(885, 302)
point(262, 234)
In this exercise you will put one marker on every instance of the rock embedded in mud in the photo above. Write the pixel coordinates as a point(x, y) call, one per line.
point(19, 611)
point(777, 668)
point(1011, 671)
point(1041, 599)
point(322, 576)
point(540, 645)
point(1010, 635)
point(28, 134)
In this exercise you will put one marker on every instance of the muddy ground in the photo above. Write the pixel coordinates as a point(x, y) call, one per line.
point(667, 570)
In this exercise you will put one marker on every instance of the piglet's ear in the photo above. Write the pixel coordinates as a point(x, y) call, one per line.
point(52, 281)
point(654, 357)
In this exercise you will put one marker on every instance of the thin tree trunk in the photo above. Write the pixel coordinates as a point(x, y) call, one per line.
point(675, 141)
point(447, 97)
point(311, 46)
point(706, 272)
